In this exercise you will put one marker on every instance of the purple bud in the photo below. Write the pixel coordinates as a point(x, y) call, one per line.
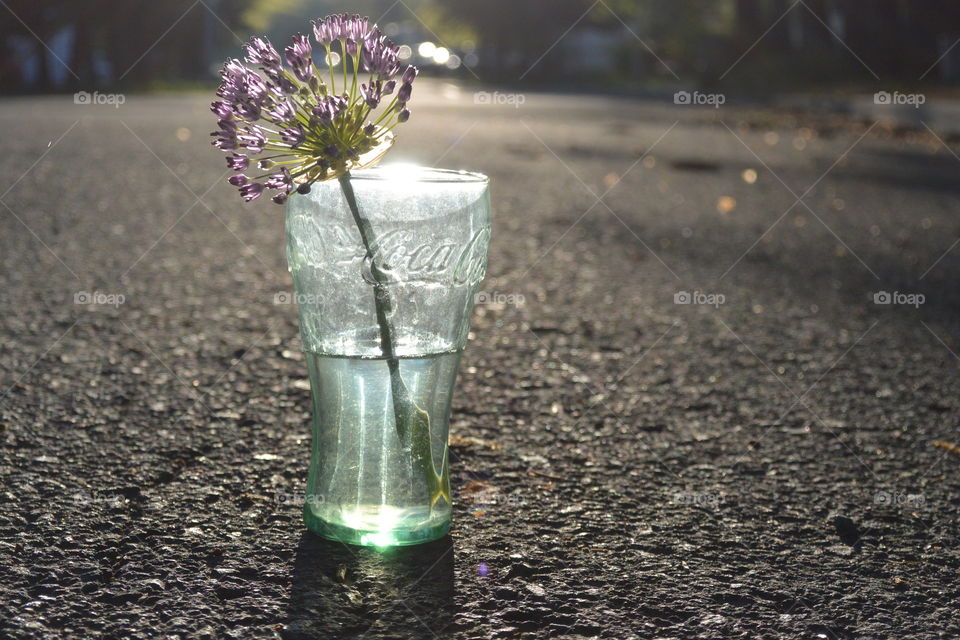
point(221, 109)
point(293, 135)
point(280, 198)
point(260, 51)
point(370, 129)
point(404, 115)
point(238, 162)
point(281, 181)
point(251, 191)
point(409, 75)
point(238, 180)
point(371, 93)
point(299, 57)
point(403, 95)
point(389, 86)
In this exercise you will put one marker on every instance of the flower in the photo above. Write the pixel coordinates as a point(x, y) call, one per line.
point(313, 127)
point(300, 57)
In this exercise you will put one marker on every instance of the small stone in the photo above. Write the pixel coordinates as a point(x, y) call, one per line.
point(521, 570)
point(536, 590)
point(846, 529)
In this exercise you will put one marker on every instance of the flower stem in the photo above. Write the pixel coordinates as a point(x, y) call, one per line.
point(411, 421)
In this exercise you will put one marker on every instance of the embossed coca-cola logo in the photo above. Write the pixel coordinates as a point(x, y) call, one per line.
point(403, 255)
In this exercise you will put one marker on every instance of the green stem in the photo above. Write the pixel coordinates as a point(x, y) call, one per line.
point(333, 81)
point(411, 421)
point(343, 59)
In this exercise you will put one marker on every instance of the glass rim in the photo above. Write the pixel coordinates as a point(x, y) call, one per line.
point(417, 173)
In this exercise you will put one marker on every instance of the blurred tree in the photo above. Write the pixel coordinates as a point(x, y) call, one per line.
point(133, 43)
point(514, 34)
point(42, 19)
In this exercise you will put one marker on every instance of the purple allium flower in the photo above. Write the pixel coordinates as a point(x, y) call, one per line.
point(261, 52)
point(299, 57)
point(282, 181)
point(253, 139)
point(316, 126)
point(371, 93)
point(329, 108)
point(226, 137)
point(221, 109)
point(238, 162)
point(341, 27)
point(251, 191)
point(380, 55)
point(282, 112)
point(248, 110)
point(293, 135)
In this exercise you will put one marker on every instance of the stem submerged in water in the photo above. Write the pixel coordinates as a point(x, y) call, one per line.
point(411, 421)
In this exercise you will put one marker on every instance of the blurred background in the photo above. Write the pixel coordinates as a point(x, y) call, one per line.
point(63, 45)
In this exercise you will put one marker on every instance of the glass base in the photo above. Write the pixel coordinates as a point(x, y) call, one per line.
point(378, 526)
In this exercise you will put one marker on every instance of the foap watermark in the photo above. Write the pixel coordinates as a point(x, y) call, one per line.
point(299, 499)
point(699, 297)
point(699, 99)
point(97, 497)
point(99, 299)
point(898, 298)
point(498, 298)
point(488, 497)
point(698, 498)
point(899, 498)
point(289, 297)
point(85, 97)
point(510, 99)
point(896, 98)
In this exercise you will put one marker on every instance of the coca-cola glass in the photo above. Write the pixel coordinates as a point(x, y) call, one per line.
point(385, 265)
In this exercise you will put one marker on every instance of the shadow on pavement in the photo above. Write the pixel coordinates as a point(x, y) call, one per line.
point(342, 591)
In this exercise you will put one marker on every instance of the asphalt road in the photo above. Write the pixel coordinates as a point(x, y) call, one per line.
point(755, 464)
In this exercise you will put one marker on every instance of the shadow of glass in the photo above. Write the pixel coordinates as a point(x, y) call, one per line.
point(342, 591)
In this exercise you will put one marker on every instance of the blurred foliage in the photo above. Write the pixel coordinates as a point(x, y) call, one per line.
point(150, 42)
point(129, 43)
point(261, 14)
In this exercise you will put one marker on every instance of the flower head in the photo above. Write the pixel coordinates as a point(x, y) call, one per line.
point(314, 127)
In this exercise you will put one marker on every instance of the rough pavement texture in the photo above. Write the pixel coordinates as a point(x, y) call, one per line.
point(626, 466)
